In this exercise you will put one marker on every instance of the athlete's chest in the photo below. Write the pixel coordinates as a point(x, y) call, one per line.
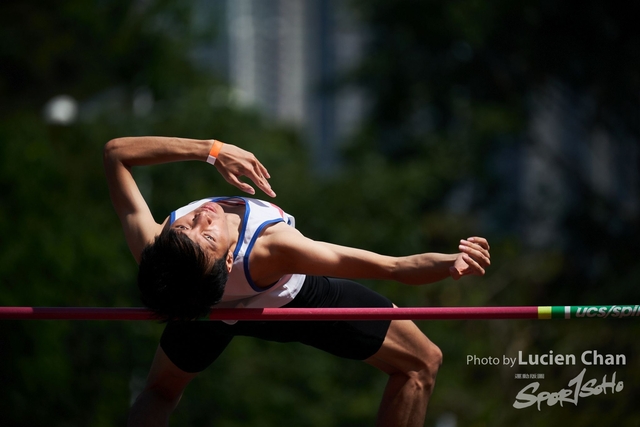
point(262, 260)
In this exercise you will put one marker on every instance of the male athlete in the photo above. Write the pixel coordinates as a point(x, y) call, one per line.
point(243, 252)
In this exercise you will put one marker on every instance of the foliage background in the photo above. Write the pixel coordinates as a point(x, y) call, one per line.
point(60, 243)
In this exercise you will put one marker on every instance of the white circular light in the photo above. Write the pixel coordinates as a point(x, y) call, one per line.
point(61, 110)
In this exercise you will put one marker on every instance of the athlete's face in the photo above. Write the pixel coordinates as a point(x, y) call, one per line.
point(207, 227)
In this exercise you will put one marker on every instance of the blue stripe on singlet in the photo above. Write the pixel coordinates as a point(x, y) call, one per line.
point(247, 273)
point(243, 230)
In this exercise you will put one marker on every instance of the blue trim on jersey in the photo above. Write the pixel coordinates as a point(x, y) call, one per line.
point(256, 234)
point(243, 230)
point(247, 209)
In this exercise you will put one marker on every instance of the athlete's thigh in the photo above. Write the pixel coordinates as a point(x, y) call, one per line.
point(353, 339)
point(193, 345)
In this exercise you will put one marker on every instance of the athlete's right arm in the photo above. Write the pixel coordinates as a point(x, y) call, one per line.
point(121, 154)
point(284, 250)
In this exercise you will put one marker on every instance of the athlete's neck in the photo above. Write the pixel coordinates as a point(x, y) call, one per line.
point(234, 215)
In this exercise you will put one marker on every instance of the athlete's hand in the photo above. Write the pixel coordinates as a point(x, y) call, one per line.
point(473, 259)
point(233, 162)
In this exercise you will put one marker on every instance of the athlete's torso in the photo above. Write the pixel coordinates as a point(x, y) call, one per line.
point(241, 290)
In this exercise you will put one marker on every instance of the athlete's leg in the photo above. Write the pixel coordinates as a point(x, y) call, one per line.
point(185, 349)
point(398, 348)
point(412, 362)
point(161, 394)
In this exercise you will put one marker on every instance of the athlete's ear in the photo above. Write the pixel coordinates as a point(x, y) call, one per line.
point(229, 260)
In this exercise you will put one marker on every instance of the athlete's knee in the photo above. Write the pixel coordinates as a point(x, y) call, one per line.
point(434, 359)
point(421, 374)
point(431, 361)
point(409, 353)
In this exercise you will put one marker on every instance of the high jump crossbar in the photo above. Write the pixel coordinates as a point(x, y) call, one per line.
point(412, 313)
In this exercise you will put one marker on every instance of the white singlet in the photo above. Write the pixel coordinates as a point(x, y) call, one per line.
point(240, 290)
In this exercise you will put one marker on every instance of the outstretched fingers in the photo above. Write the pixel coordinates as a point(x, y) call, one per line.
point(234, 163)
point(258, 174)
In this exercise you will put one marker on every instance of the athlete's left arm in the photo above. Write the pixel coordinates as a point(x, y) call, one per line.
point(291, 252)
point(122, 154)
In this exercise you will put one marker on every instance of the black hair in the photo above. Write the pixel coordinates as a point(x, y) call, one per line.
point(177, 280)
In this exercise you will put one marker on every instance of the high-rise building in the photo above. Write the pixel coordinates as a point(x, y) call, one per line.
point(283, 57)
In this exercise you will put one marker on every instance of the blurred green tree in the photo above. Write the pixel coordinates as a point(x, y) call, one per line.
point(448, 84)
point(450, 87)
point(61, 242)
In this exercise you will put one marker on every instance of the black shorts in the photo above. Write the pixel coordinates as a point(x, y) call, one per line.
point(194, 345)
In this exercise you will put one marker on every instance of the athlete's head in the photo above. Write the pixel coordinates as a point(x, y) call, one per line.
point(184, 271)
point(176, 278)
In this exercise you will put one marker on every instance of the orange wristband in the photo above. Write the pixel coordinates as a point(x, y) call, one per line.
point(214, 152)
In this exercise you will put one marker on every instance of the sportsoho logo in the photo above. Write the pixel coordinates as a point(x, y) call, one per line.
point(576, 389)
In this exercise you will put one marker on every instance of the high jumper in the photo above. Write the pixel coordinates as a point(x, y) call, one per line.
point(230, 252)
